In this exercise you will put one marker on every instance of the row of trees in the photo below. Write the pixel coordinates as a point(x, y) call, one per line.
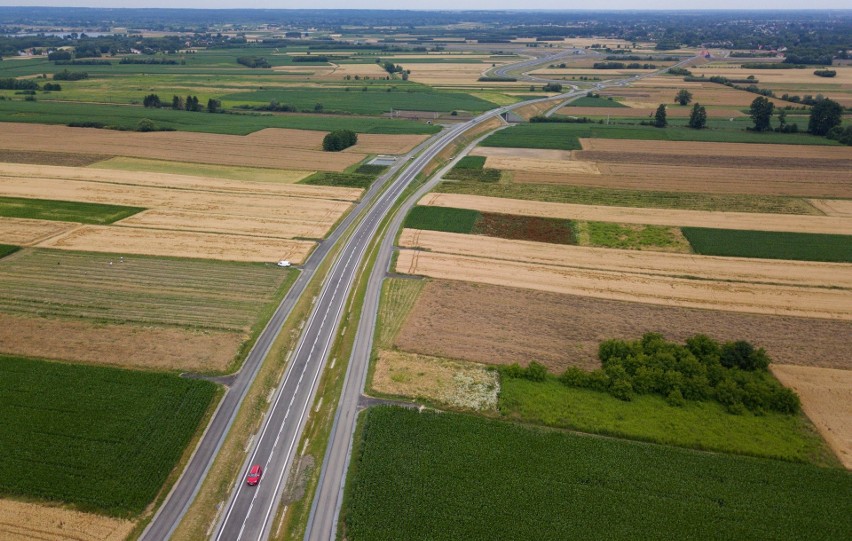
point(697, 118)
point(826, 115)
point(190, 103)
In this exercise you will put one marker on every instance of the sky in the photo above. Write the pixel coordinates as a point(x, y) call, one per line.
point(444, 4)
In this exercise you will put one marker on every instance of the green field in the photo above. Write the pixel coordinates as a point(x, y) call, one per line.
point(101, 439)
point(6, 249)
point(374, 101)
point(566, 136)
point(699, 425)
point(633, 198)
point(538, 135)
point(193, 293)
point(630, 237)
point(127, 117)
point(449, 476)
point(471, 162)
point(770, 244)
point(64, 211)
point(442, 219)
point(587, 101)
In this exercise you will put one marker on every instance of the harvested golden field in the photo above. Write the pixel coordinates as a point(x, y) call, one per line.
point(275, 148)
point(833, 207)
point(443, 74)
point(501, 325)
point(511, 263)
point(100, 179)
point(20, 521)
point(220, 223)
point(715, 180)
point(649, 93)
point(26, 232)
point(371, 143)
point(826, 395)
point(532, 165)
point(340, 71)
point(672, 111)
point(231, 172)
point(735, 269)
point(130, 240)
point(127, 345)
point(672, 217)
point(528, 153)
point(451, 383)
point(693, 148)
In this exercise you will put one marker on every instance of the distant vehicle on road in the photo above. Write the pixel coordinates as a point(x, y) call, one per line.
point(283, 263)
point(254, 474)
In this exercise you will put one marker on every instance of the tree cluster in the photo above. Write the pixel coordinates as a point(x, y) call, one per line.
point(683, 96)
point(552, 87)
point(338, 140)
point(253, 62)
point(66, 75)
point(734, 374)
point(825, 73)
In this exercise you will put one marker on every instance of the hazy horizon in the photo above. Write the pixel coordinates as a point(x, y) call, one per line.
point(446, 5)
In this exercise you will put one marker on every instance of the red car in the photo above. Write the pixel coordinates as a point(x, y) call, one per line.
point(254, 474)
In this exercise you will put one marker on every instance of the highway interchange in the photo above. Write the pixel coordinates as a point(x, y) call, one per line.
point(250, 511)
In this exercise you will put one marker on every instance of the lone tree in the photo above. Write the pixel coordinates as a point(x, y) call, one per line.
point(825, 115)
point(213, 106)
point(660, 117)
point(698, 117)
point(761, 113)
point(683, 96)
point(338, 140)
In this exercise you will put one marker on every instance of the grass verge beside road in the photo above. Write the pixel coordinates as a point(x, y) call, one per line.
point(451, 476)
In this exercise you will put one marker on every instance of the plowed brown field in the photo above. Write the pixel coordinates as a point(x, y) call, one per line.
point(835, 167)
point(21, 521)
point(132, 346)
point(501, 325)
point(692, 149)
point(716, 180)
point(672, 217)
point(25, 232)
point(276, 148)
point(827, 400)
point(649, 93)
point(128, 240)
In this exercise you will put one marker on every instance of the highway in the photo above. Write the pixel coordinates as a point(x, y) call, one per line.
point(177, 502)
point(325, 509)
point(250, 511)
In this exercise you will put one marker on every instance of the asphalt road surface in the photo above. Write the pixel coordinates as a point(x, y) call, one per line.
point(325, 510)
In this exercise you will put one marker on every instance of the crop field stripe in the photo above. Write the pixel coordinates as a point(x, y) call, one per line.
point(102, 439)
point(450, 476)
point(64, 211)
point(183, 292)
point(126, 117)
point(447, 219)
point(7, 249)
point(770, 244)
